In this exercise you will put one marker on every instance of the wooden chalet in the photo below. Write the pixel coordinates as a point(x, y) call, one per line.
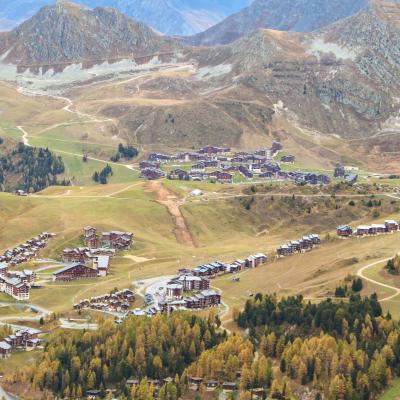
point(211, 385)
point(344, 231)
point(290, 159)
point(194, 382)
point(211, 150)
point(152, 173)
point(221, 177)
point(229, 387)
point(117, 240)
point(362, 230)
point(5, 350)
point(391, 226)
point(174, 290)
point(193, 283)
point(15, 287)
point(178, 174)
point(74, 271)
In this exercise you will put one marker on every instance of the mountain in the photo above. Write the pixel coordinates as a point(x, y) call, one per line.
point(285, 15)
point(170, 17)
point(336, 85)
point(67, 33)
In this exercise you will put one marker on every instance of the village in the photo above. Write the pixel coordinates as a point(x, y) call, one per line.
point(221, 165)
point(28, 250)
point(92, 261)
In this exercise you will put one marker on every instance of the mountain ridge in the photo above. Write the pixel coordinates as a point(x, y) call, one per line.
point(284, 15)
point(170, 17)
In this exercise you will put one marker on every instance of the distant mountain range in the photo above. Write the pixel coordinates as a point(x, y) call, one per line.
point(169, 17)
point(283, 15)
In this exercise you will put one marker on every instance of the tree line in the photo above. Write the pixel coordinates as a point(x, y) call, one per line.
point(344, 350)
point(35, 169)
point(339, 350)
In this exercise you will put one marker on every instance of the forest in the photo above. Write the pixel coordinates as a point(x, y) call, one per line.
point(140, 348)
point(30, 169)
point(337, 350)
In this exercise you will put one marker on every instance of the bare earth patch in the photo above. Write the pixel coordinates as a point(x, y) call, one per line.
point(138, 259)
point(169, 199)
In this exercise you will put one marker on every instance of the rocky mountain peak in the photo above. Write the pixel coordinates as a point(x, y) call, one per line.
point(69, 33)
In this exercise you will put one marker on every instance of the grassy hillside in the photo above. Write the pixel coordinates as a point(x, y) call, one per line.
point(222, 229)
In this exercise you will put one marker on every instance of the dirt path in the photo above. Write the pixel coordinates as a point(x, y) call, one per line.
point(360, 273)
point(172, 203)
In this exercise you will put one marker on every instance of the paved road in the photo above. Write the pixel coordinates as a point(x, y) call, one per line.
point(77, 324)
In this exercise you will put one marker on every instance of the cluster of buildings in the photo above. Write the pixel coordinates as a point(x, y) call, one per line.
point(197, 301)
point(197, 383)
point(348, 174)
point(119, 301)
point(190, 290)
point(21, 339)
point(92, 261)
point(17, 284)
point(306, 243)
point(113, 239)
point(26, 251)
point(220, 164)
point(216, 268)
point(390, 226)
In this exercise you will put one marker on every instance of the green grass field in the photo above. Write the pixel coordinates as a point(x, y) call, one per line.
point(223, 230)
point(393, 393)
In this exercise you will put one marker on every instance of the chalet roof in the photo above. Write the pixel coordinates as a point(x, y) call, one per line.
point(208, 292)
point(69, 267)
point(103, 262)
point(5, 346)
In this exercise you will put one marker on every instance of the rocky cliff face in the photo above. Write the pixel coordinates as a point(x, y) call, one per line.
point(66, 33)
point(285, 15)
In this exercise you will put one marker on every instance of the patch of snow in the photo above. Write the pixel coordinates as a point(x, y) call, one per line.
point(318, 46)
point(214, 71)
point(51, 82)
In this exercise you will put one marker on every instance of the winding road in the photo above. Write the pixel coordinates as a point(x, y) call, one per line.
point(360, 273)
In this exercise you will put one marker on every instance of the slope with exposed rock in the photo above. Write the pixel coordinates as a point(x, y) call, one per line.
point(284, 15)
point(339, 83)
point(67, 33)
